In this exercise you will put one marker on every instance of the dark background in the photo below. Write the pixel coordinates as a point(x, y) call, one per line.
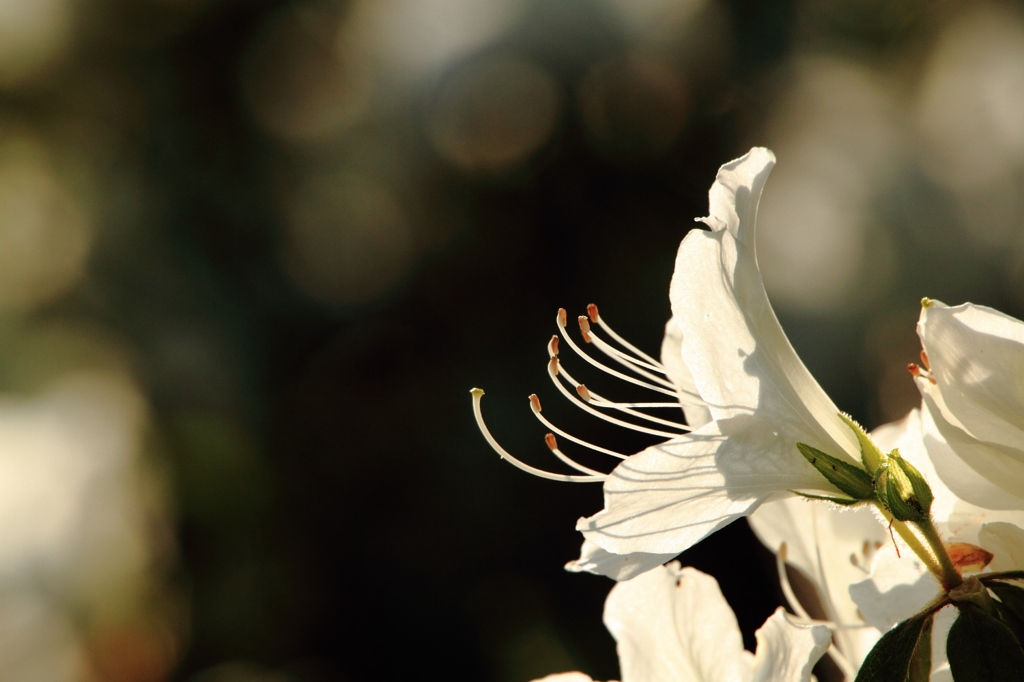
point(309, 251)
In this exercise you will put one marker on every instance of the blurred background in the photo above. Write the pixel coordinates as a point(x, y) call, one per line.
point(253, 254)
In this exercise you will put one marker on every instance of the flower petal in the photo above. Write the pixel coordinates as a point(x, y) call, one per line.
point(787, 651)
point(672, 625)
point(593, 559)
point(697, 414)
point(977, 398)
point(831, 547)
point(1006, 542)
point(899, 587)
point(672, 495)
point(733, 344)
point(566, 677)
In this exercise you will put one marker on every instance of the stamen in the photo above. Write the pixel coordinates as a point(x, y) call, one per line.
point(605, 368)
point(553, 345)
point(849, 672)
point(626, 359)
point(552, 444)
point(477, 394)
point(599, 401)
point(916, 372)
point(584, 328)
point(553, 370)
point(535, 404)
point(787, 588)
point(924, 360)
point(596, 318)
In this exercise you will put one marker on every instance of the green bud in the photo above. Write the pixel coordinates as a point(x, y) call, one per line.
point(904, 490)
point(849, 478)
point(869, 452)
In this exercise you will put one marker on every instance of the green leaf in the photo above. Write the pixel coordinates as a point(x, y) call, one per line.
point(849, 478)
point(981, 649)
point(1010, 607)
point(846, 502)
point(903, 654)
point(1010, 595)
point(869, 452)
point(1002, 575)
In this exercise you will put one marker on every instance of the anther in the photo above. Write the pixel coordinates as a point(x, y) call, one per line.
point(535, 402)
point(914, 370)
point(584, 393)
point(562, 316)
point(584, 327)
point(553, 346)
point(924, 361)
point(549, 439)
point(592, 312)
point(553, 365)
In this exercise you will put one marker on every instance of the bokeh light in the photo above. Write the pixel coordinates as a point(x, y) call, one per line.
point(492, 114)
point(348, 238)
point(45, 233)
point(33, 34)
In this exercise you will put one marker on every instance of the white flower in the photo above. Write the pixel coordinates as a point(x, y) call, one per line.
point(759, 395)
point(673, 624)
point(747, 397)
point(899, 585)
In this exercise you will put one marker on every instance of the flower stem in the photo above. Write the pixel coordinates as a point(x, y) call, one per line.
point(950, 577)
point(914, 543)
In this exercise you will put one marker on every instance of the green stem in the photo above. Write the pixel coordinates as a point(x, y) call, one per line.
point(950, 577)
point(914, 543)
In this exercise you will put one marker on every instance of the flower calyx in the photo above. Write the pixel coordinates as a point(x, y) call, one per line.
point(848, 478)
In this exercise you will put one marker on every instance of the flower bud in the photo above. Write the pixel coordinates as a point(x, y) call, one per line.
point(904, 490)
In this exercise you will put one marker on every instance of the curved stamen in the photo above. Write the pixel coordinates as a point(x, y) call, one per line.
point(535, 404)
point(686, 396)
point(599, 401)
point(605, 368)
point(549, 440)
point(787, 588)
point(623, 358)
point(553, 370)
point(477, 394)
point(595, 317)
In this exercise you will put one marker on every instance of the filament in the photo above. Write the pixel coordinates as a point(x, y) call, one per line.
point(595, 317)
point(477, 394)
point(599, 401)
point(606, 368)
point(552, 444)
point(553, 369)
point(535, 404)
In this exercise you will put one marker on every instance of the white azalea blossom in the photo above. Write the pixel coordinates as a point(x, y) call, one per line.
point(760, 397)
point(673, 624)
point(948, 480)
